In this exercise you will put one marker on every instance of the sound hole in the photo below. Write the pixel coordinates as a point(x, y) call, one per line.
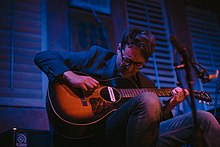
point(105, 94)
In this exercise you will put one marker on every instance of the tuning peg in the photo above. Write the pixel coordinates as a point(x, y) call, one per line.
point(200, 101)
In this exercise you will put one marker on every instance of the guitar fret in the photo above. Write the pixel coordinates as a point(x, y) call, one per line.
point(124, 93)
point(136, 91)
point(130, 93)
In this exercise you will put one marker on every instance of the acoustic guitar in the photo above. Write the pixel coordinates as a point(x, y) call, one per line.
point(76, 114)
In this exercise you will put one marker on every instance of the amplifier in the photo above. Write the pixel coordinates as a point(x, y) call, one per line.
point(24, 138)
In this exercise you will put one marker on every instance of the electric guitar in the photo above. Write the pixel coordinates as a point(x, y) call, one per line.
point(76, 114)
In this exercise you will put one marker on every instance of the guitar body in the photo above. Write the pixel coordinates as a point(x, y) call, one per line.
point(78, 115)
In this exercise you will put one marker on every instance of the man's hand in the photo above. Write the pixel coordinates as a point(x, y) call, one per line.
point(179, 95)
point(79, 81)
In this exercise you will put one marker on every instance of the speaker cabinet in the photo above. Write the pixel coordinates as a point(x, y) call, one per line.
point(24, 138)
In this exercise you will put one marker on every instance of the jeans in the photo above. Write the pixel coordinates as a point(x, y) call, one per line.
point(137, 123)
point(181, 130)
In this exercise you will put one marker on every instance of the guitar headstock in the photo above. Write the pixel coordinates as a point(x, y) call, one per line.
point(202, 96)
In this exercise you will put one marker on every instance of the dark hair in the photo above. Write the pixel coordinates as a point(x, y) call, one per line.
point(140, 38)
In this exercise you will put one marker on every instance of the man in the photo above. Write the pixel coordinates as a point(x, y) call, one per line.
point(141, 121)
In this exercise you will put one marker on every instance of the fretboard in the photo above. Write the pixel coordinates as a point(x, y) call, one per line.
point(127, 93)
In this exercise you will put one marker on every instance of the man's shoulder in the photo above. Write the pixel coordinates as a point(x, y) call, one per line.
point(99, 49)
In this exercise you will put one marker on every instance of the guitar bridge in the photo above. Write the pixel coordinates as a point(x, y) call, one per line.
point(83, 98)
point(84, 103)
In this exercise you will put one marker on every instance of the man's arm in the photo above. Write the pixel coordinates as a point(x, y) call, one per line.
point(55, 63)
point(179, 95)
point(80, 81)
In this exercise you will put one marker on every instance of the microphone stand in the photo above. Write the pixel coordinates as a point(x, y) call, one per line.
point(217, 89)
point(179, 81)
point(187, 65)
point(190, 86)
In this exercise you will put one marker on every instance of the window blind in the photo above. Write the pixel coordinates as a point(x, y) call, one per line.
point(21, 38)
point(151, 14)
point(205, 34)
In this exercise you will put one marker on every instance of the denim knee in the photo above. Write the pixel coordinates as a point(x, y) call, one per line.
point(206, 118)
point(210, 128)
point(150, 104)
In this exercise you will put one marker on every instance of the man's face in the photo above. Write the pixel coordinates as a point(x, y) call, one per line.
point(129, 61)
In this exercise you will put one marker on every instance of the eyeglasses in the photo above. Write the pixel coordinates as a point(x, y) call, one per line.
point(128, 61)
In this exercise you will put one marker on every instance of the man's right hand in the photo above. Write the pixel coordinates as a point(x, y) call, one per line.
point(79, 81)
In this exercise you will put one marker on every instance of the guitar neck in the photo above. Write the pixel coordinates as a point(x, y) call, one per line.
point(128, 93)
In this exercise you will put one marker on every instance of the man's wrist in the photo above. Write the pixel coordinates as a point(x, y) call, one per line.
point(67, 75)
